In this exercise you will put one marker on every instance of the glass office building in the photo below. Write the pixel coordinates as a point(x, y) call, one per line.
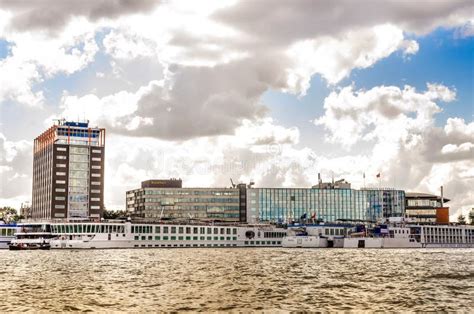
point(328, 205)
point(183, 203)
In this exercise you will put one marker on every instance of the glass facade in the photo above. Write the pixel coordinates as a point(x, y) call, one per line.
point(204, 203)
point(328, 205)
point(78, 196)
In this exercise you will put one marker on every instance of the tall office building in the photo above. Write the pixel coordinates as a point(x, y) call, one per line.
point(68, 172)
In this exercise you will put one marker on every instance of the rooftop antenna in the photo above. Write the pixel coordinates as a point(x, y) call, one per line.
point(232, 182)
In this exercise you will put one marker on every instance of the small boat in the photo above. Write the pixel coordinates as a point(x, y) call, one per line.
point(29, 246)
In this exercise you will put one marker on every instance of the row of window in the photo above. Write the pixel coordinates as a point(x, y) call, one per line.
point(181, 230)
point(184, 238)
point(5, 232)
point(77, 150)
point(185, 245)
point(77, 182)
point(78, 158)
point(74, 189)
point(168, 191)
point(262, 242)
point(171, 201)
point(87, 228)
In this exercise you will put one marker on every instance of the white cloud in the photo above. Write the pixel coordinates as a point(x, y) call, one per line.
point(383, 112)
point(335, 58)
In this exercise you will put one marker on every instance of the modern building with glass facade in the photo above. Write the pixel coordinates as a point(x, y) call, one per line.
point(323, 204)
point(68, 172)
point(166, 201)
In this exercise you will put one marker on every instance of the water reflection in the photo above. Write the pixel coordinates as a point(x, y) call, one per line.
point(237, 279)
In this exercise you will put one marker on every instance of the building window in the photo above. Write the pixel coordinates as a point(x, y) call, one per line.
point(58, 173)
point(61, 149)
point(97, 151)
point(95, 207)
point(60, 157)
point(95, 191)
point(61, 165)
point(96, 159)
point(60, 198)
point(95, 199)
point(60, 182)
point(57, 206)
point(95, 175)
point(96, 167)
point(95, 183)
point(60, 190)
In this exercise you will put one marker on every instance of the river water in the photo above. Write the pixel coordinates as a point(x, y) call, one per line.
point(237, 279)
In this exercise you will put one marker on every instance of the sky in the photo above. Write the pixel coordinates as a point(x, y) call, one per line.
point(272, 92)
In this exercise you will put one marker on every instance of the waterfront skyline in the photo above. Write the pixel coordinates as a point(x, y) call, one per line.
point(213, 90)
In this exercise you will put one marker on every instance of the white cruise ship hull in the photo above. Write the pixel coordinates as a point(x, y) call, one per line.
point(380, 243)
point(304, 242)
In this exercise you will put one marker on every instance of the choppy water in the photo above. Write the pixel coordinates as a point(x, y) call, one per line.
point(237, 279)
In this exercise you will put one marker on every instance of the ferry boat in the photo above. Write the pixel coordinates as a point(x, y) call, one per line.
point(120, 234)
point(31, 236)
point(7, 234)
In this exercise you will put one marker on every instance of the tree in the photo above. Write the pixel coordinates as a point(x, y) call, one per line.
point(9, 214)
point(461, 219)
point(115, 214)
point(471, 216)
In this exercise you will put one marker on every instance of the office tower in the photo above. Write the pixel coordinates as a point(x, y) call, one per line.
point(68, 172)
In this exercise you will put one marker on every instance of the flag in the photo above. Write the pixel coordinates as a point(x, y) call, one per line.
point(364, 175)
point(303, 216)
point(313, 216)
point(378, 175)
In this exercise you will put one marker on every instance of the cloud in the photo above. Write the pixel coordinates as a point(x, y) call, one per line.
point(54, 15)
point(310, 19)
point(406, 146)
point(383, 112)
point(15, 171)
point(35, 58)
point(335, 57)
point(190, 102)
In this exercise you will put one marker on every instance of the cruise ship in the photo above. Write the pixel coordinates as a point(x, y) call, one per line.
point(120, 234)
point(380, 236)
